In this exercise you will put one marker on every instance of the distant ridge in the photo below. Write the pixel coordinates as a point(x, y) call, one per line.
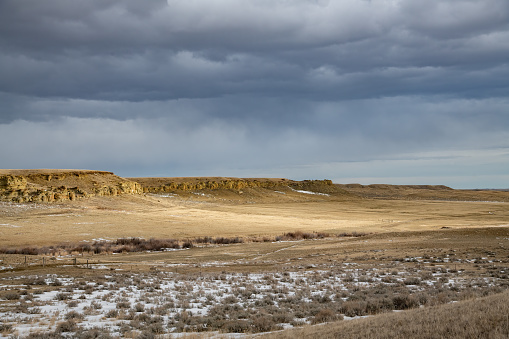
point(57, 185)
point(424, 192)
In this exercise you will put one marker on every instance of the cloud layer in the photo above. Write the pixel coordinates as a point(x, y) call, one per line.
point(287, 88)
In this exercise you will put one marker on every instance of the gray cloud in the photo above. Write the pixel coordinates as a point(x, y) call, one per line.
point(302, 87)
point(109, 50)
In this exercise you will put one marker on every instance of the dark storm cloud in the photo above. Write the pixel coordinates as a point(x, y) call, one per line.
point(283, 87)
point(127, 51)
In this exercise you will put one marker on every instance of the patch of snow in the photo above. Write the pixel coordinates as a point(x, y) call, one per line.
point(10, 225)
point(309, 192)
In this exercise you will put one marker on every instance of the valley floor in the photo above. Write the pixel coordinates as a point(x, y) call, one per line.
point(431, 259)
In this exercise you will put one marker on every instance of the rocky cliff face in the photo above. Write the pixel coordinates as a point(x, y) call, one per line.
point(225, 184)
point(46, 186)
point(167, 185)
point(61, 185)
point(12, 182)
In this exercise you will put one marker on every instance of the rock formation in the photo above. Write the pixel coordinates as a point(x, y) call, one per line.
point(168, 185)
point(47, 186)
point(61, 185)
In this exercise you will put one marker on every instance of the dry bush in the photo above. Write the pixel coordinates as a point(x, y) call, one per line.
point(5, 328)
point(81, 248)
point(135, 244)
point(74, 315)
point(66, 326)
point(299, 235)
point(404, 302)
point(40, 281)
point(123, 305)
point(187, 244)
point(412, 281)
point(204, 240)
point(72, 303)
point(225, 241)
point(140, 245)
point(93, 333)
point(44, 335)
point(12, 295)
point(236, 326)
point(283, 316)
point(263, 323)
point(354, 308)
point(325, 315)
point(112, 314)
point(353, 234)
point(62, 296)
point(379, 305)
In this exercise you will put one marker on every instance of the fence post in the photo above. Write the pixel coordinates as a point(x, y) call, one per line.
point(43, 262)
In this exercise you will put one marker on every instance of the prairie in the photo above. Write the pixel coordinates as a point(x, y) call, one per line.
point(192, 215)
point(281, 259)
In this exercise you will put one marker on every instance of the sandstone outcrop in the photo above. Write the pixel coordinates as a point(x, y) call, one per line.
point(47, 186)
point(12, 182)
point(169, 185)
point(228, 184)
point(43, 186)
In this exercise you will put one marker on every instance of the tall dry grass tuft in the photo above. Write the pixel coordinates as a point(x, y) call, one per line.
point(486, 317)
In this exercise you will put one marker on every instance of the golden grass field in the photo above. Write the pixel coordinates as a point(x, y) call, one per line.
point(455, 244)
point(192, 215)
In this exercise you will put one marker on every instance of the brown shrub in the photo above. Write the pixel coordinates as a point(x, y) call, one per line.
point(12, 296)
point(74, 315)
point(66, 326)
point(263, 323)
point(354, 308)
point(325, 315)
point(236, 326)
point(404, 302)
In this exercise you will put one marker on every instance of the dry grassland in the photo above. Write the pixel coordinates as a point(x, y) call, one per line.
point(191, 215)
point(413, 253)
point(260, 287)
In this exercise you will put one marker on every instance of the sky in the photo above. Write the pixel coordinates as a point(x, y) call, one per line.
point(356, 91)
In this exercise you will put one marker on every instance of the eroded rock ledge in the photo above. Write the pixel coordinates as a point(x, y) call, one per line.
point(61, 185)
point(167, 185)
point(47, 185)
